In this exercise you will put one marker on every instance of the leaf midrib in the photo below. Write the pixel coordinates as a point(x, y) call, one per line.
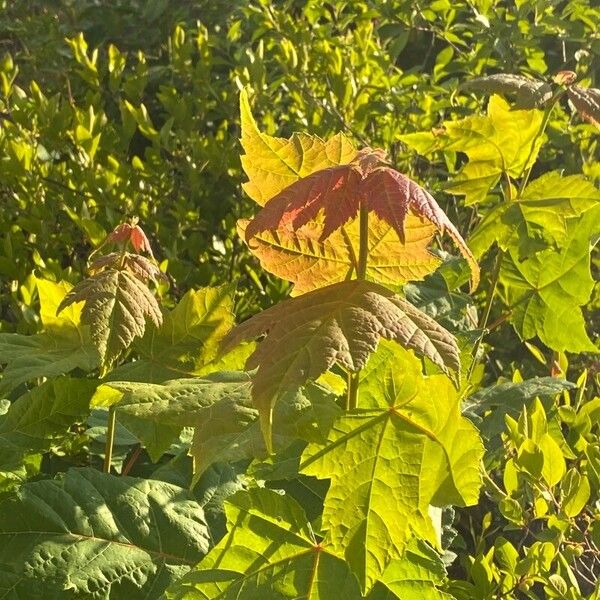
point(79, 536)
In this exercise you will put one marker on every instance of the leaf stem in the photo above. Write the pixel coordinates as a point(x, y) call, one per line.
point(547, 112)
point(363, 249)
point(110, 438)
point(487, 310)
point(352, 394)
point(361, 273)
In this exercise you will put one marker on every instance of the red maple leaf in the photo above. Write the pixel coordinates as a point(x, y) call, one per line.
point(340, 191)
point(132, 233)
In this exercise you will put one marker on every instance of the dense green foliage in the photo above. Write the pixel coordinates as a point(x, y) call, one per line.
point(386, 432)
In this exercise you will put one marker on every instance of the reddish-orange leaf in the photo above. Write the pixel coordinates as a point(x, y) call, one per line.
point(338, 193)
point(132, 233)
point(332, 190)
point(139, 241)
point(121, 233)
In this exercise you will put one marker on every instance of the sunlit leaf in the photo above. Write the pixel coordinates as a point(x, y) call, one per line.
point(300, 257)
point(338, 193)
point(406, 447)
point(503, 141)
point(539, 217)
point(546, 290)
point(273, 163)
point(269, 552)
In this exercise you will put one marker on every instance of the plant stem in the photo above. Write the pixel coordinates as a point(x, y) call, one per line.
point(363, 249)
point(547, 112)
point(352, 395)
point(134, 456)
point(361, 273)
point(110, 438)
point(487, 310)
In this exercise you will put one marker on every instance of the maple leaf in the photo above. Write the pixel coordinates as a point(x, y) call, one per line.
point(546, 291)
point(273, 163)
point(300, 257)
point(538, 218)
point(139, 265)
point(132, 233)
point(339, 192)
point(407, 447)
point(529, 93)
point(504, 141)
point(341, 324)
point(586, 102)
point(117, 305)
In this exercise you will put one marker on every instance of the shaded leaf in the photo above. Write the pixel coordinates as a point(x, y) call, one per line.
point(489, 406)
point(268, 552)
point(586, 102)
point(451, 309)
point(220, 408)
point(273, 163)
point(116, 307)
point(97, 536)
point(406, 447)
point(341, 324)
point(529, 93)
point(304, 415)
point(46, 412)
point(157, 413)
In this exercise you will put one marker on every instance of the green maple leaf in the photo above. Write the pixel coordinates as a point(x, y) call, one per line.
point(341, 323)
point(62, 346)
point(219, 407)
point(407, 447)
point(93, 535)
point(187, 342)
point(269, 552)
point(503, 141)
point(546, 291)
point(44, 413)
point(117, 305)
point(539, 217)
point(413, 577)
point(273, 163)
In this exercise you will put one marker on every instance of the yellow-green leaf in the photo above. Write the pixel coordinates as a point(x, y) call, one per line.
point(273, 163)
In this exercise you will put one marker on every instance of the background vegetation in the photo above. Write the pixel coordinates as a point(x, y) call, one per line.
point(131, 108)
